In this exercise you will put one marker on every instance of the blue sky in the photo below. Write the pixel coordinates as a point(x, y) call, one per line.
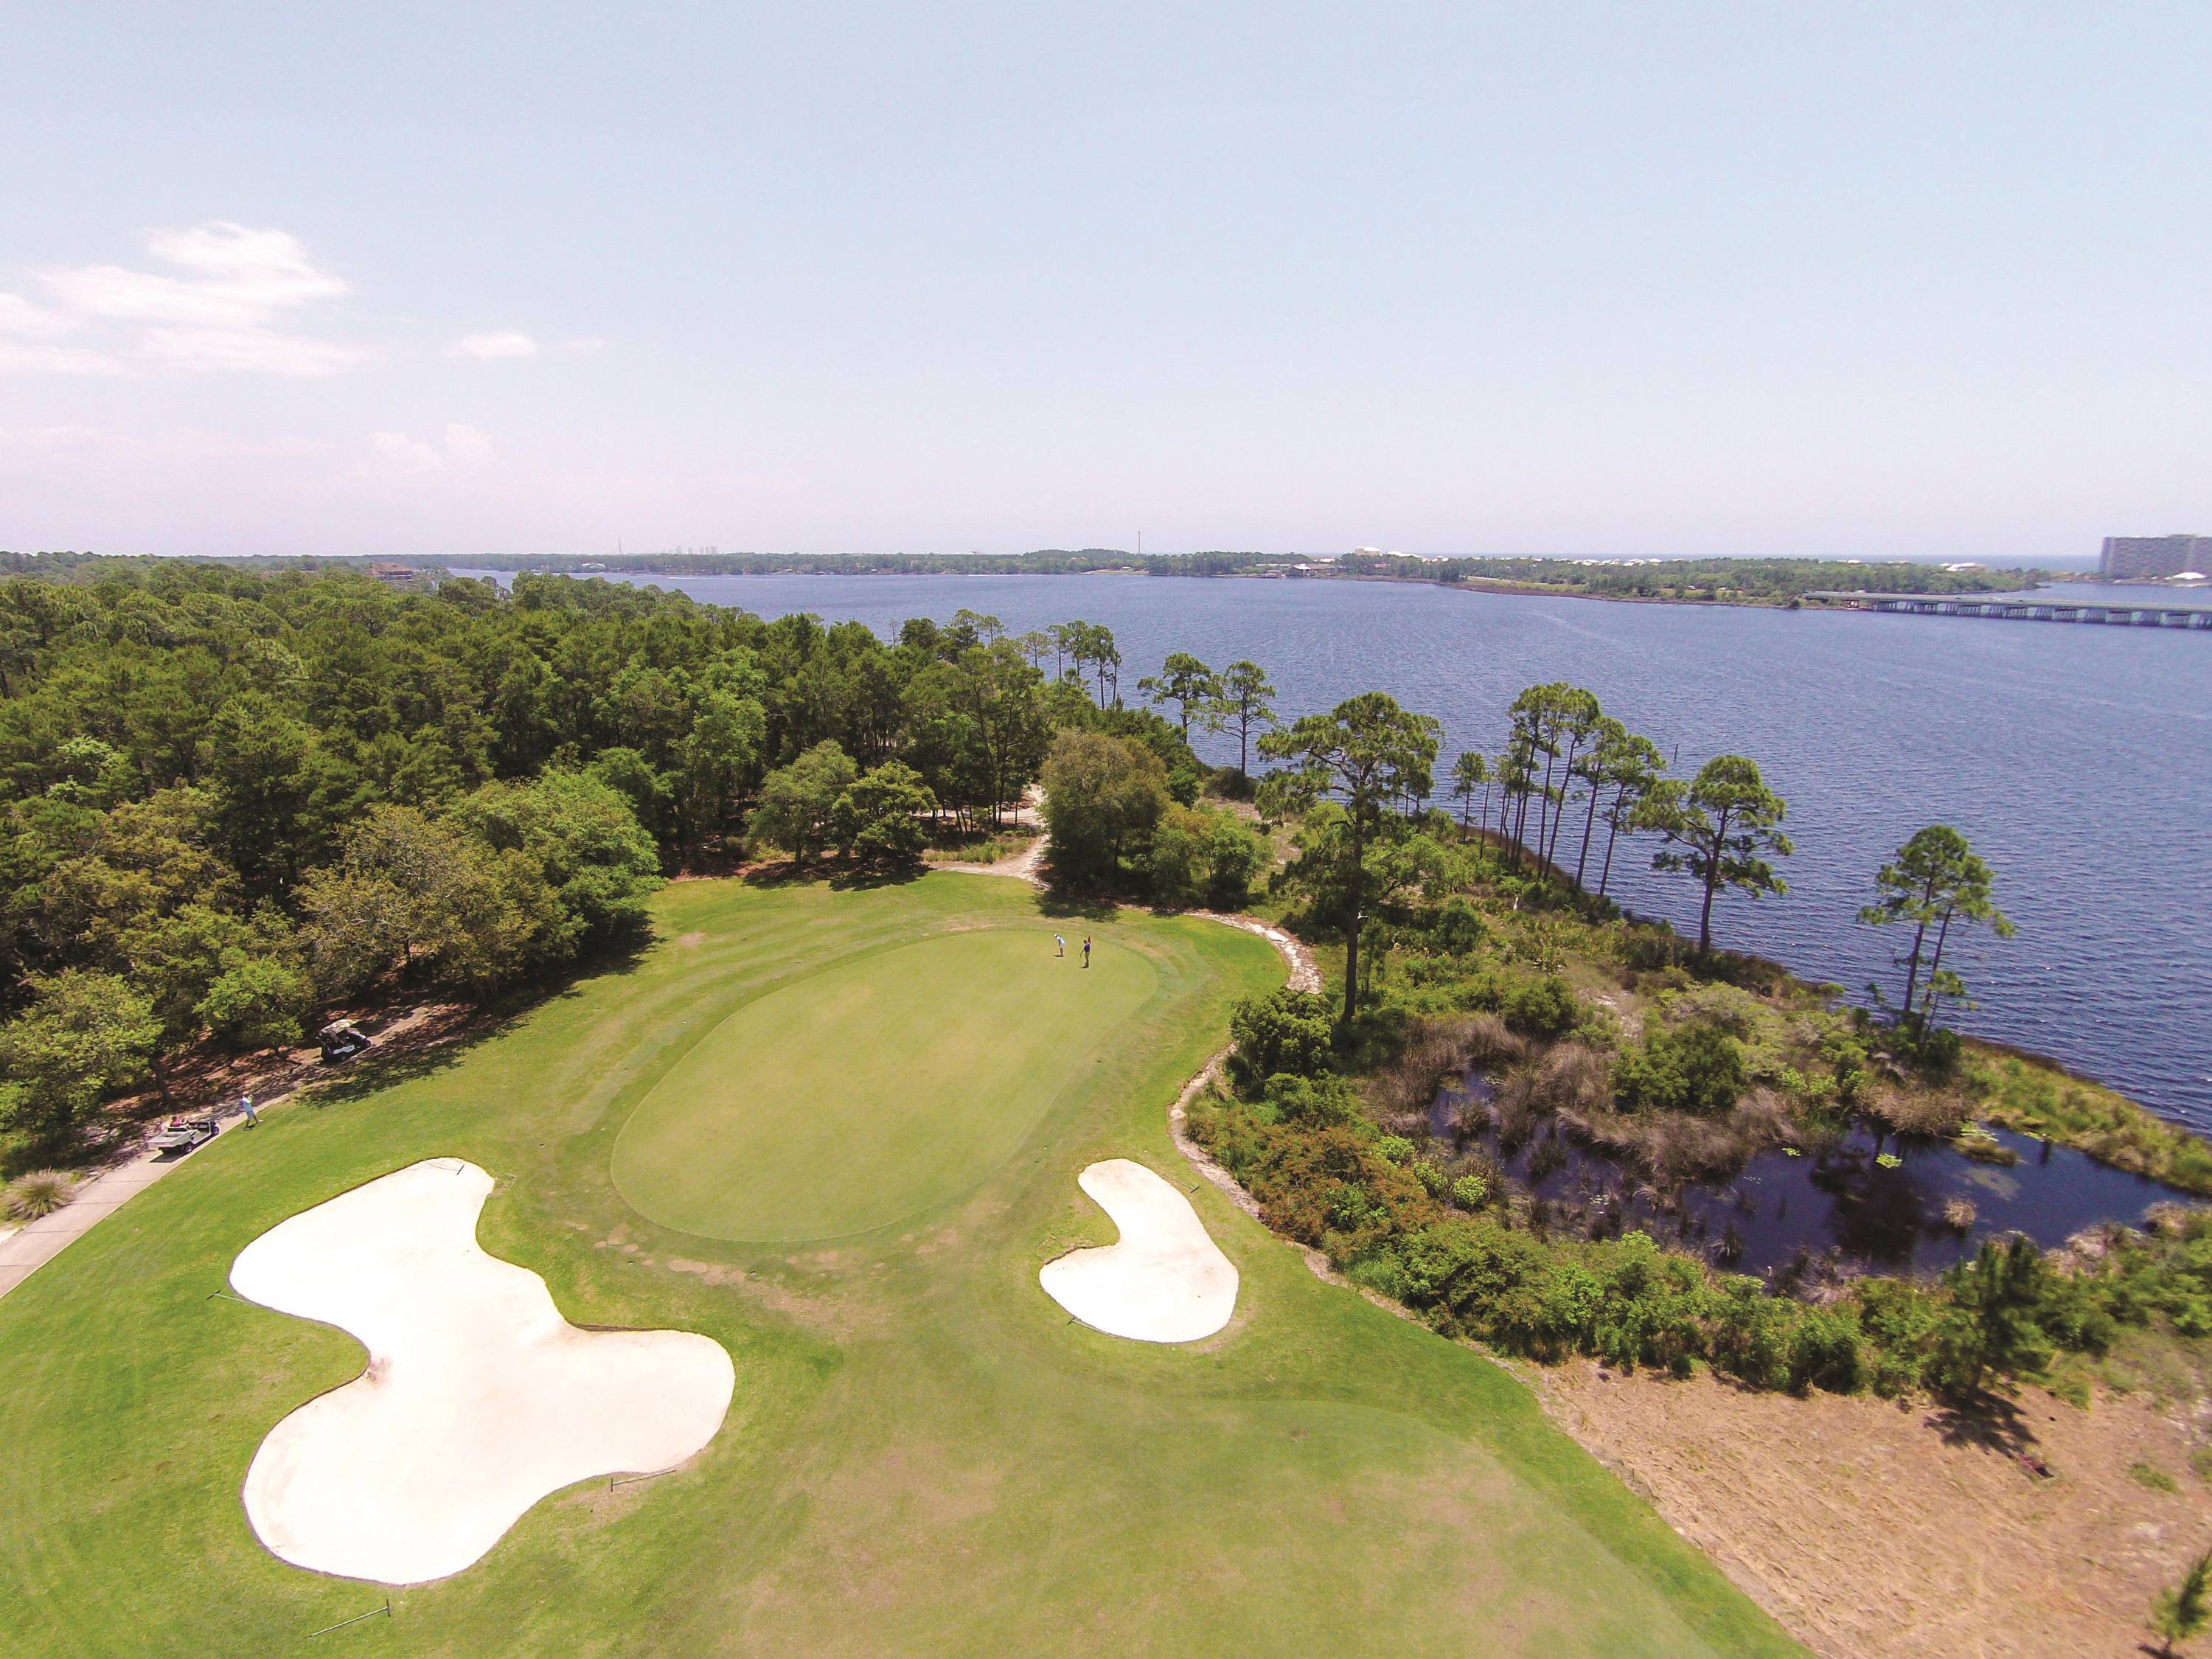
point(1854, 280)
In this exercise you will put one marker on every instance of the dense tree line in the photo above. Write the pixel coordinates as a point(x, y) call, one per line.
point(231, 797)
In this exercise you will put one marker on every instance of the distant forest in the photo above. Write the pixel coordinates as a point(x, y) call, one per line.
point(1721, 581)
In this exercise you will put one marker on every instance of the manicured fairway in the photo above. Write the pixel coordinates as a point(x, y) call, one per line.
point(924, 1455)
point(861, 1094)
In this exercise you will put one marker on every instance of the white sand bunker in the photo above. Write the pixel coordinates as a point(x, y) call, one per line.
point(479, 1399)
point(1166, 1281)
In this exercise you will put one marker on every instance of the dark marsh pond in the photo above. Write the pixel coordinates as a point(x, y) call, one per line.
point(1783, 1213)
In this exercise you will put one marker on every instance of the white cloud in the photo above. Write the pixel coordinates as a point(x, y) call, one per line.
point(462, 450)
point(19, 317)
point(467, 450)
point(232, 311)
point(500, 343)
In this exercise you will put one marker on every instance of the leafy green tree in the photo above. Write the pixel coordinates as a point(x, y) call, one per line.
point(579, 837)
point(1103, 796)
point(1090, 647)
point(1626, 768)
point(2186, 1611)
point(256, 1002)
point(413, 894)
point(1719, 829)
point(1471, 772)
point(1184, 681)
point(172, 959)
point(879, 817)
point(1575, 722)
point(266, 784)
point(1001, 697)
point(631, 776)
point(1198, 856)
point(1993, 1323)
point(1244, 703)
point(85, 1037)
point(1936, 880)
point(716, 761)
point(799, 801)
point(1366, 753)
point(1550, 724)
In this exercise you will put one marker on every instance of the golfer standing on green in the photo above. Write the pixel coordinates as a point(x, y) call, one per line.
point(1058, 945)
point(1086, 950)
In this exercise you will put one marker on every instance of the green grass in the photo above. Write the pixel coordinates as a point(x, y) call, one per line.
point(2036, 1098)
point(924, 1455)
point(860, 1096)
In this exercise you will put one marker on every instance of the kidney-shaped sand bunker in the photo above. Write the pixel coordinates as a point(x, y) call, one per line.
point(1166, 1281)
point(479, 1399)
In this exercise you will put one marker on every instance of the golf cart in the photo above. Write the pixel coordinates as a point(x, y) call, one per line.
point(342, 1040)
point(181, 1135)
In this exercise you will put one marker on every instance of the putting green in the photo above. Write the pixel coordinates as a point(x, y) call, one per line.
point(863, 1094)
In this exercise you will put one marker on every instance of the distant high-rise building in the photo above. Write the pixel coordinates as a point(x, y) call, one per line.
point(2155, 555)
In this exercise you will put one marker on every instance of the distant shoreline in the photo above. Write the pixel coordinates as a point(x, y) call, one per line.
point(1747, 584)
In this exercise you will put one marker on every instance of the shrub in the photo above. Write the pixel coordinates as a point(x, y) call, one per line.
point(1324, 1103)
point(1286, 1032)
point(1197, 856)
point(1542, 1008)
point(41, 1192)
point(1695, 1067)
point(1470, 1192)
point(1460, 928)
point(1825, 1352)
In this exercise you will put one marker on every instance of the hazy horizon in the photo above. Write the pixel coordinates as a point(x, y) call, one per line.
point(1588, 282)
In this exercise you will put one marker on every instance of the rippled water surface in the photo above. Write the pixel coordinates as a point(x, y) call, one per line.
point(2077, 759)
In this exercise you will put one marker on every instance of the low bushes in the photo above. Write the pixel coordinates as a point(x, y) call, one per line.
point(1403, 1223)
point(1286, 1032)
point(1692, 1068)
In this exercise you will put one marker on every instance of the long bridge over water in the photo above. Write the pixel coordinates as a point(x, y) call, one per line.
point(2110, 613)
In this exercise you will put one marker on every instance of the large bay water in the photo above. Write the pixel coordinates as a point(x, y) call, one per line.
point(2077, 759)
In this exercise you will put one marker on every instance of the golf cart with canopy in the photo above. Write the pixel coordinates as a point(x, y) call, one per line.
point(342, 1040)
point(181, 1134)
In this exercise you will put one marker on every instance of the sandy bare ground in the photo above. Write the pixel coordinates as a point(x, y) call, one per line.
point(477, 1400)
point(1165, 1281)
point(1875, 1531)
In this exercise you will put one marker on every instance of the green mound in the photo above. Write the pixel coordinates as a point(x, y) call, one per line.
point(863, 1094)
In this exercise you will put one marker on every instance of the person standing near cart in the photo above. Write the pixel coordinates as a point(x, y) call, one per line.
point(245, 1107)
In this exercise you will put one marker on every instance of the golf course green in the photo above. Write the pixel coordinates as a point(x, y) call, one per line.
point(863, 1094)
point(838, 1132)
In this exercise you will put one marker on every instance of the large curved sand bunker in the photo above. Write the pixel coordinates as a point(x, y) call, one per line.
point(479, 1399)
point(1166, 1281)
